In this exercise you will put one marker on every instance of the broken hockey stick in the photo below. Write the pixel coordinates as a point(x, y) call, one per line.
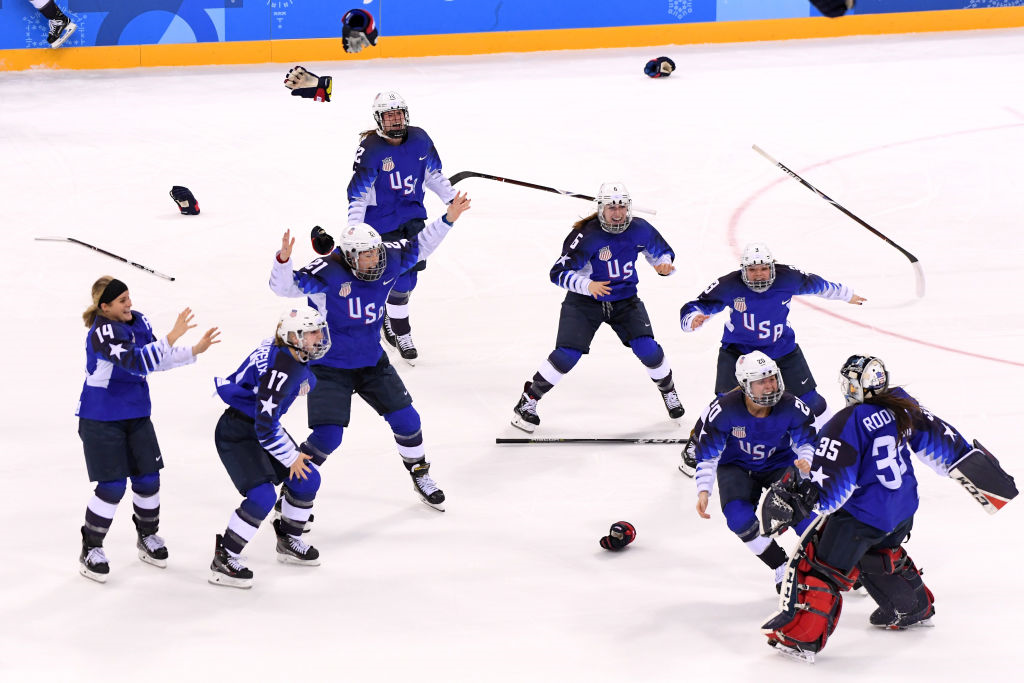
point(105, 253)
point(918, 271)
point(565, 440)
point(462, 175)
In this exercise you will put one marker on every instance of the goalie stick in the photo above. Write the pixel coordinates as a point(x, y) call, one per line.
point(918, 271)
point(105, 253)
point(462, 175)
point(571, 440)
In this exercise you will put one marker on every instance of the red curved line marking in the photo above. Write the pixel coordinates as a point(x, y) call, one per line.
point(741, 209)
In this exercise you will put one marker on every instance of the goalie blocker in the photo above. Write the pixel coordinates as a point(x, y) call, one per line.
point(980, 473)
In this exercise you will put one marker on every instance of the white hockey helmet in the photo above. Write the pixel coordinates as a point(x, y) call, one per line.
point(614, 194)
point(296, 328)
point(862, 377)
point(757, 254)
point(358, 239)
point(756, 366)
point(387, 101)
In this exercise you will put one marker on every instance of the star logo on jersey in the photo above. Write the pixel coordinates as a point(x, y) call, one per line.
point(563, 260)
point(388, 165)
point(605, 254)
point(947, 431)
point(268, 406)
point(740, 432)
point(345, 289)
point(116, 350)
point(739, 304)
point(818, 476)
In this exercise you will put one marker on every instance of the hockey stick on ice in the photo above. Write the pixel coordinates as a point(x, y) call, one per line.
point(563, 440)
point(918, 271)
point(105, 253)
point(462, 175)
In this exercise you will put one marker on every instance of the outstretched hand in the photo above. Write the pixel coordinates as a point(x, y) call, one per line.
point(287, 242)
point(207, 340)
point(182, 325)
point(458, 206)
point(857, 300)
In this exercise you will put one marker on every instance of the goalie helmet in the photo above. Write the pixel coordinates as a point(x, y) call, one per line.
point(612, 195)
point(757, 254)
point(863, 377)
point(363, 251)
point(387, 101)
point(304, 330)
point(756, 366)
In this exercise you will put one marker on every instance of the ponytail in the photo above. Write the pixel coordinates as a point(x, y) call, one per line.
point(89, 316)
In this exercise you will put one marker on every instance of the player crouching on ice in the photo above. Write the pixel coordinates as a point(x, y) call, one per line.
point(258, 453)
point(863, 479)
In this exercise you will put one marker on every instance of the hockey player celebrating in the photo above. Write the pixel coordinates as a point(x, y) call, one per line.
point(598, 267)
point(749, 439)
point(393, 165)
point(350, 286)
point(759, 295)
point(114, 418)
point(258, 453)
point(862, 478)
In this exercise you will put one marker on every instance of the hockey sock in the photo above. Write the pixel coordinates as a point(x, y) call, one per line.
point(553, 369)
point(398, 312)
point(99, 513)
point(297, 502)
point(146, 502)
point(48, 8)
point(653, 357)
point(246, 519)
point(405, 424)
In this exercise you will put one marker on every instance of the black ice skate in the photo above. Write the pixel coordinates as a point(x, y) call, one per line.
point(152, 549)
point(61, 29)
point(894, 620)
point(426, 487)
point(227, 569)
point(672, 404)
point(291, 550)
point(401, 342)
point(524, 415)
point(306, 528)
point(689, 464)
point(93, 561)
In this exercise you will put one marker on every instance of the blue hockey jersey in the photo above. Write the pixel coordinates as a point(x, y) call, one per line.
point(387, 183)
point(758, 321)
point(862, 466)
point(592, 254)
point(729, 435)
point(118, 357)
point(353, 308)
point(264, 387)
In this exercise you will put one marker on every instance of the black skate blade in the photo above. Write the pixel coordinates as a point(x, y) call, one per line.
point(792, 652)
point(149, 559)
point(98, 578)
point(218, 579)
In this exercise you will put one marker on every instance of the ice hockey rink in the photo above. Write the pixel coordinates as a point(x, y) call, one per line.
point(921, 136)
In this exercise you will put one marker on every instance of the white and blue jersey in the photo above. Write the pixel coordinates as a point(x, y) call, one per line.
point(353, 308)
point(729, 435)
point(118, 357)
point(264, 387)
point(387, 183)
point(863, 466)
point(591, 254)
point(758, 321)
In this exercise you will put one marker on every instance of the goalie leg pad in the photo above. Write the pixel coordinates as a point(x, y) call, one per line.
point(894, 582)
point(980, 473)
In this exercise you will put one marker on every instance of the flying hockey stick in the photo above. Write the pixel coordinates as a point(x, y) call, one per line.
point(462, 175)
point(918, 271)
point(563, 440)
point(105, 253)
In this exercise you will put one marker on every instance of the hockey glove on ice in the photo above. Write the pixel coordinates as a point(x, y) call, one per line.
point(186, 202)
point(662, 66)
point(619, 536)
point(323, 243)
point(358, 30)
point(305, 84)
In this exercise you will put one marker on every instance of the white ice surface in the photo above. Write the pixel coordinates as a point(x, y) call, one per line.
point(919, 135)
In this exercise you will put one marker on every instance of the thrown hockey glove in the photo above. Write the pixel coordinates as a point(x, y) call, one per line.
point(619, 536)
point(358, 30)
point(661, 66)
point(789, 501)
point(305, 84)
point(833, 8)
point(323, 243)
point(186, 202)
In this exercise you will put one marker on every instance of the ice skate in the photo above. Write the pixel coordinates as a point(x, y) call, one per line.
point(227, 569)
point(402, 343)
point(899, 621)
point(426, 487)
point(291, 550)
point(672, 404)
point(793, 652)
point(689, 454)
point(152, 549)
point(525, 415)
point(93, 561)
point(61, 29)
